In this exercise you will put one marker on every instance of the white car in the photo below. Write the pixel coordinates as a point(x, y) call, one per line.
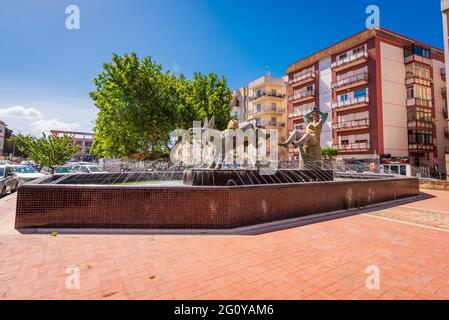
point(26, 173)
point(88, 168)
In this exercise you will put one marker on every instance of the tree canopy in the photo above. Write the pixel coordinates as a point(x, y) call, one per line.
point(139, 105)
point(48, 150)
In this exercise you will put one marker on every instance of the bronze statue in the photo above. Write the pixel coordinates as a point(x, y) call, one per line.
point(309, 143)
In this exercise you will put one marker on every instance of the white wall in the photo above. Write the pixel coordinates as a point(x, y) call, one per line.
point(325, 77)
point(394, 100)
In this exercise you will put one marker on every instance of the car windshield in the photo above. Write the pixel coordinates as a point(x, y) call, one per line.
point(24, 169)
point(63, 170)
point(95, 169)
point(2, 171)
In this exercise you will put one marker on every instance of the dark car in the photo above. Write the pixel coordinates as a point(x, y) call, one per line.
point(9, 182)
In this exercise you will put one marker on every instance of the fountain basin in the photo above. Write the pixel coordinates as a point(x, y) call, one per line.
point(43, 205)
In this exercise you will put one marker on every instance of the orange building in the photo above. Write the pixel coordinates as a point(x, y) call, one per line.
point(385, 92)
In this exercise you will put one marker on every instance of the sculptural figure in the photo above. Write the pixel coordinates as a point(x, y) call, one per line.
point(309, 142)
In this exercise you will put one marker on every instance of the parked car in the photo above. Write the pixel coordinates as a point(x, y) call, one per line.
point(66, 169)
point(26, 173)
point(9, 182)
point(88, 168)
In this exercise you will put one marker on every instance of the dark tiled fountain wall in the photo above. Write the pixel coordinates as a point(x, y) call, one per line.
point(187, 207)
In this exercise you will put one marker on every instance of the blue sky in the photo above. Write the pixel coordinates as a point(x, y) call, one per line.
point(46, 71)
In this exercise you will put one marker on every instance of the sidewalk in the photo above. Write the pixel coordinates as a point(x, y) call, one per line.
point(327, 260)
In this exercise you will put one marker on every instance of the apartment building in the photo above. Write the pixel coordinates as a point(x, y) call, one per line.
point(239, 104)
point(2, 137)
point(267, 103)
point(384, 92)
point(83, 139)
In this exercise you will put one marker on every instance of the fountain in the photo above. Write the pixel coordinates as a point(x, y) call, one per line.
point(151, 196)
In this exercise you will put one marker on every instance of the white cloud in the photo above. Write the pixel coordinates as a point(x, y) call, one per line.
point(53, 124)
point(19, 112)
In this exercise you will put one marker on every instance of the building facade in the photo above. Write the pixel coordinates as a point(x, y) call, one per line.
point(83, 139)
point(2, 137)
point(385, 94)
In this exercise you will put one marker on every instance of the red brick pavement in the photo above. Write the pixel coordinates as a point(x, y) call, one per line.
point(327, 260)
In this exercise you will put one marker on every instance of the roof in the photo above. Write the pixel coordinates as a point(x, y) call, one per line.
point(353, 41)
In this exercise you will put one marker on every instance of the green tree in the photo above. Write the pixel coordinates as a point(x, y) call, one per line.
point(329, 153)
point(139, 105)
point(48, 150)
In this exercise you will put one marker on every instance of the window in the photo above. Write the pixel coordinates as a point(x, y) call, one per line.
point(273, 92)
point(418, 50)
point(274, 107)
point(359, 93)
point(258, 93)
point(359, 50)
point(410, 93)
point(259, 107)
point(343, 97)
point(310, 88)
point(273, 120)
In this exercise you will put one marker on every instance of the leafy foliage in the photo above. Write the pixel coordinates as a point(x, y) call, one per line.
point(329, 153)
point(48, 150)
point(139, 105)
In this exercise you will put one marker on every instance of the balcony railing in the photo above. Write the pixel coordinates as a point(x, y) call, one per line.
point(302, 95)
point(303, 78)
point(420, 124)
point(350, 60)
point(267, 93)
point(268, 109)
point(272, 124)
point(353, 147)
point(420, 147)
point(418, 78)
point(350, 81)
point(354, 124)
point(299, 113)
point(418, 102)
point(418, 58)
point(350, 103)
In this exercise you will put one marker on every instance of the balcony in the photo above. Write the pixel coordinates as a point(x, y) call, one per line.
point(351, 103)
point(267, 93)
point(350, 61)
point(420, 147)
point(272, 124)
point(300, 113)
point(268, 109)
point(351, 82)
point(302, 96)
point(418, 78)
point(302, 79)
point(353, 147)
point(417, 58)
point(420, 124)
point(351, 125)
point(418, 102)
